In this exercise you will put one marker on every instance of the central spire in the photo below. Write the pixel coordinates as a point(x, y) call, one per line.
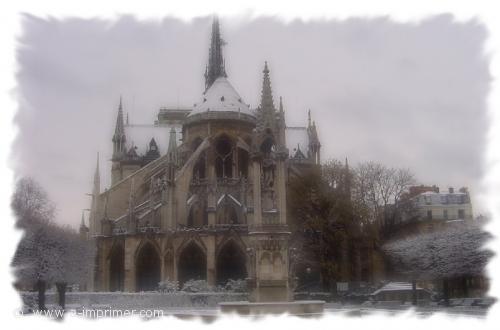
point(216, 66)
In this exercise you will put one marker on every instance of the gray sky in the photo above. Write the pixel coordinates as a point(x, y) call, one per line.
point(406, 95)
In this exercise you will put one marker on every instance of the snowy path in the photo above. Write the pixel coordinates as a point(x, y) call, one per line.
point(211, 313)
point(420, 311)
point(354, 311)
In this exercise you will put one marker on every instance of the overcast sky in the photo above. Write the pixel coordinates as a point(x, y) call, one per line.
point(405, 95)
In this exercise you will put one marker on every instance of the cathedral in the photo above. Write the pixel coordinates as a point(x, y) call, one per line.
point(206, 199)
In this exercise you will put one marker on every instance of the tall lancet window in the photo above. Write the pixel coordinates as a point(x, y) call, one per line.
point(224, 158)
point(243, 163)
point(199, 169)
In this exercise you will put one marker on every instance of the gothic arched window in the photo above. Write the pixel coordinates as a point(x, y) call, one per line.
point(199, 169)
point(227, 215)
point(243, 163)
point(223, 158)
point(197, 216)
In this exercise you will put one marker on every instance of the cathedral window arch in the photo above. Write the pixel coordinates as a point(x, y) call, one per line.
point(243, 160)
point(230, 263)
point(224, 158)
point(197, 216)
point(117, 268)
point(199, 168)
point(227, 215)
point(192, 263)
point(148, 267)
point(228, 211)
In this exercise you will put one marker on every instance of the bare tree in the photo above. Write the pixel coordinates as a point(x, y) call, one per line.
point(333, 173)
point(380, 189)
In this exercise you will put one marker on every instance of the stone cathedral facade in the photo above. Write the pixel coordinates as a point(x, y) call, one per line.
point(206, 199)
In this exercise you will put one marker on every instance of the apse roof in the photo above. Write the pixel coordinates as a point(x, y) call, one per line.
point(221, 97)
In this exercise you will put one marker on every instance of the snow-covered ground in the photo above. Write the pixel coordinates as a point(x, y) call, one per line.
point(330, 309)
point(360, 310)
point(145, 300)
point(206, 304)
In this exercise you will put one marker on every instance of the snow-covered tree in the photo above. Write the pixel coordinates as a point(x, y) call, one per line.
point(197, 286)
point(74, 255)
point(453, 251)
point(168, 286)
point(47, 253)
point(31, 204)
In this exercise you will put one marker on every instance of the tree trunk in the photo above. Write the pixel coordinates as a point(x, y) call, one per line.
point(414, 292)
point(446, 292)
point(61, 293)
point(41, 286)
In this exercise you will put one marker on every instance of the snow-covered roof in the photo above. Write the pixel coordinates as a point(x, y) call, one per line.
point(395, 286)
point(140, 136)
point(221, 96)
point(441, 193)
point(435, 198)
point(297, 137)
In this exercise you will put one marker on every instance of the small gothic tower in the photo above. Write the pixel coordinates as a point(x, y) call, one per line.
point(314, 144)
point(94, 221)
point(119, 149)
point(119, 138)
point(152, 153)
point(83, 230)
point(266, 112)
point(269, 234)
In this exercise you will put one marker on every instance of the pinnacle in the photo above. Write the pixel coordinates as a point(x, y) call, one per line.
point(267, 95)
